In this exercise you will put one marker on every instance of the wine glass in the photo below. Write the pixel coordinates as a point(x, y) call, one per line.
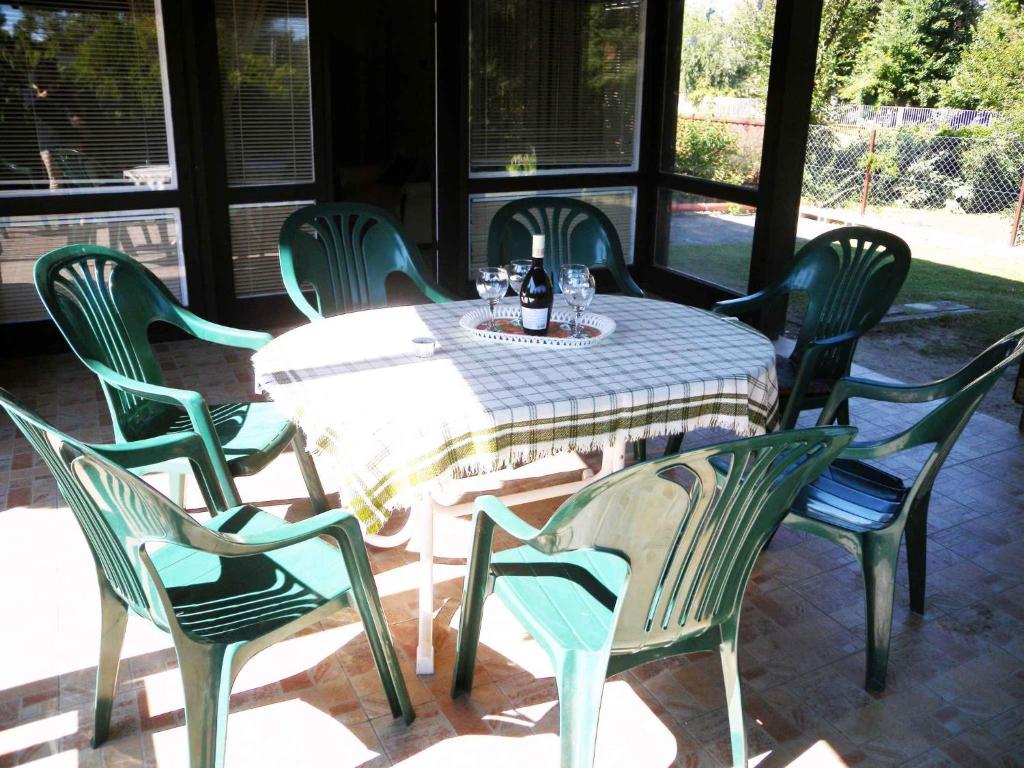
point(517, 270)
point(492, 285)
point(579, 292)
point(569, 275)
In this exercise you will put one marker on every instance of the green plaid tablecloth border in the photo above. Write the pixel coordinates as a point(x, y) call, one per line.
point(391, 422)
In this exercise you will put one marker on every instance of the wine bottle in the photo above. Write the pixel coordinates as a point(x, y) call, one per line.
point(537, 294)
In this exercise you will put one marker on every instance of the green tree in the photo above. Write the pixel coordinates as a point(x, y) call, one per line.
point(914, 49)
point(990, 74)
point(712, 61)
point(734, 59)
point(846, 25)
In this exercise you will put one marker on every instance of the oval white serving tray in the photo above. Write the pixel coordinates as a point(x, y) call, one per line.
point(603, 324)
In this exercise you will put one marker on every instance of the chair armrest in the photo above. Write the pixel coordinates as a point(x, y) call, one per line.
point(241, 544)
point(754, 301)
point(505, 518)
point(199, 417)
point(222, 334)
point(851, 386)
point(815, 349)
point(805, 372)
point(141, 456)
point(185, 398)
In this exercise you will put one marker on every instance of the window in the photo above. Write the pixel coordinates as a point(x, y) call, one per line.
point(707, 238)
point(554, 87)
point(265, 87)
point(149, 236)
point(619, 205)
point(723, 83)
point(83, 98)
point(254, 256)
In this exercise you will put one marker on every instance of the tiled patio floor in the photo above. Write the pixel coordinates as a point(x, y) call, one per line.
point(956, 678)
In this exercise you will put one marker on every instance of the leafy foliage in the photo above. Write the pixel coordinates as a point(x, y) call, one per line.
point(915, 47)
point(990, 74)
point(710, 150)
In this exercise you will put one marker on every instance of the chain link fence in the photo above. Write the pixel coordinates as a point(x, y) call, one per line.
point(975, 183)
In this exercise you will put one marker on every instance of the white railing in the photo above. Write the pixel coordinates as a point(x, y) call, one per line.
point(897, 117)
point(860, 115)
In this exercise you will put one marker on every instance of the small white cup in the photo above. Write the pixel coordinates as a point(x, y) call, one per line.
point(424, 346)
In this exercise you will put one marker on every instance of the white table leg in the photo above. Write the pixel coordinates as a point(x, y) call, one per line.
point(613, 458)
point(425, 647)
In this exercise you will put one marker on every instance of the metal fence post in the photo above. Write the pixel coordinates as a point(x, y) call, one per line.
point(1015, 224)
point(867, 173)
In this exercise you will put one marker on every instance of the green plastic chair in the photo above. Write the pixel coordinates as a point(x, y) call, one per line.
point(104, 303)
point(345, 253)
point(851, 276)
point(867, 510)
point(224, 590)
point(575, 233)
point(647, 563)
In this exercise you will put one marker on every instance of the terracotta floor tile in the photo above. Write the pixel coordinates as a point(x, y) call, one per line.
point(956, 684)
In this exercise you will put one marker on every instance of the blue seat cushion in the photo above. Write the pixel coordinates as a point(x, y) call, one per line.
point(853, 496)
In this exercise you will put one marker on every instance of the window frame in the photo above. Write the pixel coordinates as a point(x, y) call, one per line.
point(777, 195)
point(219, 194)
point(29, 337)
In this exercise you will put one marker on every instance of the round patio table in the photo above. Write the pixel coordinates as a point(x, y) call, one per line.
point(394, 426)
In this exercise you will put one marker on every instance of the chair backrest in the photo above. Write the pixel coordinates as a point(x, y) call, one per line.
point(104, 302)
point(851, 276)
point(116, 511)
point(575, 232)
point(691, 527)
point(943, 424)
point(344, 252)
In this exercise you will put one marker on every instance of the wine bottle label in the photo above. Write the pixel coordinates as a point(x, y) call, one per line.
point(535, 319)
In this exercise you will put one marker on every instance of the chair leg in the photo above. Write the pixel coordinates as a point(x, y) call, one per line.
point(114, 620)
point(176, 480)
point(728, 651)
point(474, 593)
point(673, 444)
point(580, 679)
point(364, 591)
point(879, 554)
point(640, 450)
point(206, 674)
point(916, 533)
point(310, 476)
point(843, 413)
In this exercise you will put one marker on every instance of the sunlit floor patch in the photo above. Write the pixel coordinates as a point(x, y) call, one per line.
point(38, 731)
point(280, 661)
point(290, 733)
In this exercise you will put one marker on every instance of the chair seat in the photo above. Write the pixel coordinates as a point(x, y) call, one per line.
point(853, 496)
point(565, 600)
point(786, 368)
point(252, 434)
point(232, 599)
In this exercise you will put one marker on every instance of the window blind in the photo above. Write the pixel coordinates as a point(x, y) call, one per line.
point(82, 97)
point(619, 205)
point(554, 86)
point(254, 258)
point(264, 73)
point(149, 236)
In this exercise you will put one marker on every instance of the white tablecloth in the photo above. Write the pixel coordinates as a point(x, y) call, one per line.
point(391, 422)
